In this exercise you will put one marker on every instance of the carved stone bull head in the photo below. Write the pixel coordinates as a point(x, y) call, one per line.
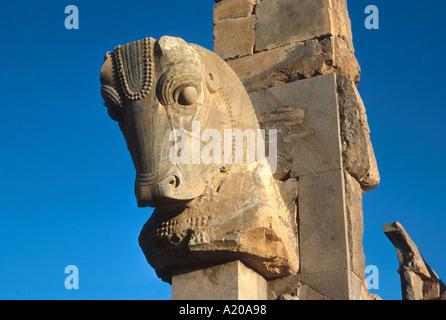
point(205, 212)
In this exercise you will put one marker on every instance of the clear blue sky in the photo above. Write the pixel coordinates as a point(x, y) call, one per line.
point(66, 178)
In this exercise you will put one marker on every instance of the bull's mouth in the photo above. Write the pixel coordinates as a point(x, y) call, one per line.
point(163, 189)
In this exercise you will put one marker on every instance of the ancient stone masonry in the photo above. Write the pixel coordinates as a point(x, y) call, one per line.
point(296, 60)
point(225, 229)
point(284, 40)
point(418, 280)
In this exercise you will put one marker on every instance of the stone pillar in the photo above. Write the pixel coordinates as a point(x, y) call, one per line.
point(230, 281)
point(296, 60)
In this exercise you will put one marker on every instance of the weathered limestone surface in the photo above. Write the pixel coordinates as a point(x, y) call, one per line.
point(283, 22)
point(330, 234)
point(295, 62)
point(323, 240)
point(357, 151)
point(339, 285)
point(418, 280)
point(303, 292)
point(340, 21)
point(309, 130)
point(311, 147)
point(355, 225)
point(230, 281)
point(232, 9)
point(234, 37)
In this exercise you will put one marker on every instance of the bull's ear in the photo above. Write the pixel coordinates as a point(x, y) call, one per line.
point(213, 82)
point(212, 76)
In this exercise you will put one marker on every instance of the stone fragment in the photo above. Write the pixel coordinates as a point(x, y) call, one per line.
point(413, 285)
point(283, 22)
point(340, 20)
point(234, 37)
point(357, 151)
point(230, 9)
point(418, 280)
point(230, 281)
point(295, 62)
point(431, 290)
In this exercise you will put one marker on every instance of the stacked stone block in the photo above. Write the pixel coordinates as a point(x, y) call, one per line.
point(296, 57)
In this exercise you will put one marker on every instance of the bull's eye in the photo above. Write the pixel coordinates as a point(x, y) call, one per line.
point(182, 85)
point(187, 96)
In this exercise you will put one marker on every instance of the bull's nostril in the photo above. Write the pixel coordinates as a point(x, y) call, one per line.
point(174, 182)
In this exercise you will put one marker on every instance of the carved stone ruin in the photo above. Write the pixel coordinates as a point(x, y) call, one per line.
point(418, 280)
point(296, 60)
point(205, 213)
point(247, 230)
